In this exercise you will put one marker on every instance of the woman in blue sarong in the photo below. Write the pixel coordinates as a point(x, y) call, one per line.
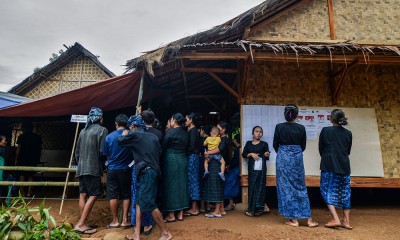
point(334, 147)
point(289, 142)
point(193, 164)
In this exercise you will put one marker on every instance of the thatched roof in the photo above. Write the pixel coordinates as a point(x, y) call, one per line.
point(229, 31)
point(74, 52)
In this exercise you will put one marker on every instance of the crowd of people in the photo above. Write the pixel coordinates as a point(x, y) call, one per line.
point(182, 172)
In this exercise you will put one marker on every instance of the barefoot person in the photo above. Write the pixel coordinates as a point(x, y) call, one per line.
point(87, 155)
point(289, 143)
point(334, 147)
point(146, 152)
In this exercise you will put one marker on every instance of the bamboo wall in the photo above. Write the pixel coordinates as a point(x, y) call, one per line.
point(79, 73)
point(307, 84)
point(357, 20)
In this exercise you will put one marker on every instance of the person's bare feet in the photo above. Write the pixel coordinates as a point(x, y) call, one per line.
point(132, 237)
point(345, 224)
point(332, 224)
point(166, 236)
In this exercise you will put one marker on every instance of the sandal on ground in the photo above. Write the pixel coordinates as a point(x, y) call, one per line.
point(291, 223)
point(229, 208)
point(187, 214)
point(148, 232)
point(346, 226)
point(266, 210)
point(312, 224)
point(249, 214)
point(332, 224)
point(169, 221)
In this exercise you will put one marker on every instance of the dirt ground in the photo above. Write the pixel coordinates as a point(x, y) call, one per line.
point(369, 223)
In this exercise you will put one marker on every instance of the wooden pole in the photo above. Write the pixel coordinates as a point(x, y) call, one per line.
point(140, 95)
point(37, 169)
point(39, 184)
point(69, 166)
point(331, 20)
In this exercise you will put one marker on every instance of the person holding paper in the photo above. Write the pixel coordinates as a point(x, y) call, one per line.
point(334, 147)
point(257, 152)
point(289, 143)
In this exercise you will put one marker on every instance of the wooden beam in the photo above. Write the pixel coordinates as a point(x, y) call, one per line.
point(321, 41)
point(291, 58)
point(223, 84)
point(185, 85)
point(214, 105)
point(213, 56)
point(356, 182)
point(204, 96)
point(341, 80)
point(331, 20)
point(215, 70)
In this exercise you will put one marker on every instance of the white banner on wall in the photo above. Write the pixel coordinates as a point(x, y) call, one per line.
point(365, 158)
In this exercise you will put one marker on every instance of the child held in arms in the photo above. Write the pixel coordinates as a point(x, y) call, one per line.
point(212, 143)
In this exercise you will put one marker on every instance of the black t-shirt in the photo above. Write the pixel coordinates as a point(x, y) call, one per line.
point(145, 147)
point(224, 149)
point(194, 138)
point(30, 149)
point(334, 147)
point(175, 138)
point(156, 132)
point(290, 134)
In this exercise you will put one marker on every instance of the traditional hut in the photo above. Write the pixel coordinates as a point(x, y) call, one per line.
point(332, 53)
point(75, 68)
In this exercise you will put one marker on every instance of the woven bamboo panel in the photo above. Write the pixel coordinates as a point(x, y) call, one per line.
point(48, 88)
point(308, 21)
point(71, 72)
point(69, 85)
point(87, 83)
point(306, 84)
point(92, 72)
point(34, 93)
point(367, 20)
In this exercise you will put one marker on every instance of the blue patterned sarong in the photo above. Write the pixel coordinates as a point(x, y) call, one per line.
point(232, 183)
point(193, 177)
point(147, 219)
point(293, 199)
point(335, 189)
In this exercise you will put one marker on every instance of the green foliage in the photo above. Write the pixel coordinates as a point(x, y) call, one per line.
point(18, 220)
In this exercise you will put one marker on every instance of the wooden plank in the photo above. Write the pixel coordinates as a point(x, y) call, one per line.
point(319, 58)
point(213, 56)
point(322, 41)
point(185, 85)
point(215, 70)
point(204, 96)
point(341, 80)
point(223, 84)
point(356, 182)
point(331, 20)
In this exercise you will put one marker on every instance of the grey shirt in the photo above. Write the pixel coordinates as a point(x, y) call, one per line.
point(88, 149)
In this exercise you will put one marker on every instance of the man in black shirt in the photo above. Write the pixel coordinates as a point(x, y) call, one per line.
point(28, 152)
point(148, 119)
point(146, 150)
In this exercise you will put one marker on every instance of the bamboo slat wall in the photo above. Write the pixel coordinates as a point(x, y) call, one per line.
point(356, 20)
point(79, 73)
point(307, 84)
point(309, 21)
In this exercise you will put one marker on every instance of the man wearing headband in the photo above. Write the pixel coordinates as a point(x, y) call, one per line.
point(87, 155)
point(146, 150)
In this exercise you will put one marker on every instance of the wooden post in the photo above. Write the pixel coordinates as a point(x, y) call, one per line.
point(69, 166)
point(140, 95)
point(331, 20)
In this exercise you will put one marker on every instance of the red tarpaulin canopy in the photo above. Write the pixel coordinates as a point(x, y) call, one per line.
point(115, 93)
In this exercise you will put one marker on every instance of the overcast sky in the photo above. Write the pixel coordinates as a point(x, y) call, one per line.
point(116, 30)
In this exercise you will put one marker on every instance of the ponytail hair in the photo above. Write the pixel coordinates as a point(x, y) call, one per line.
point(179, 118)
point(339, 117)
point(291, 112)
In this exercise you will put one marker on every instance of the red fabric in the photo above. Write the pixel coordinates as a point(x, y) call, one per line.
point(115, 93)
